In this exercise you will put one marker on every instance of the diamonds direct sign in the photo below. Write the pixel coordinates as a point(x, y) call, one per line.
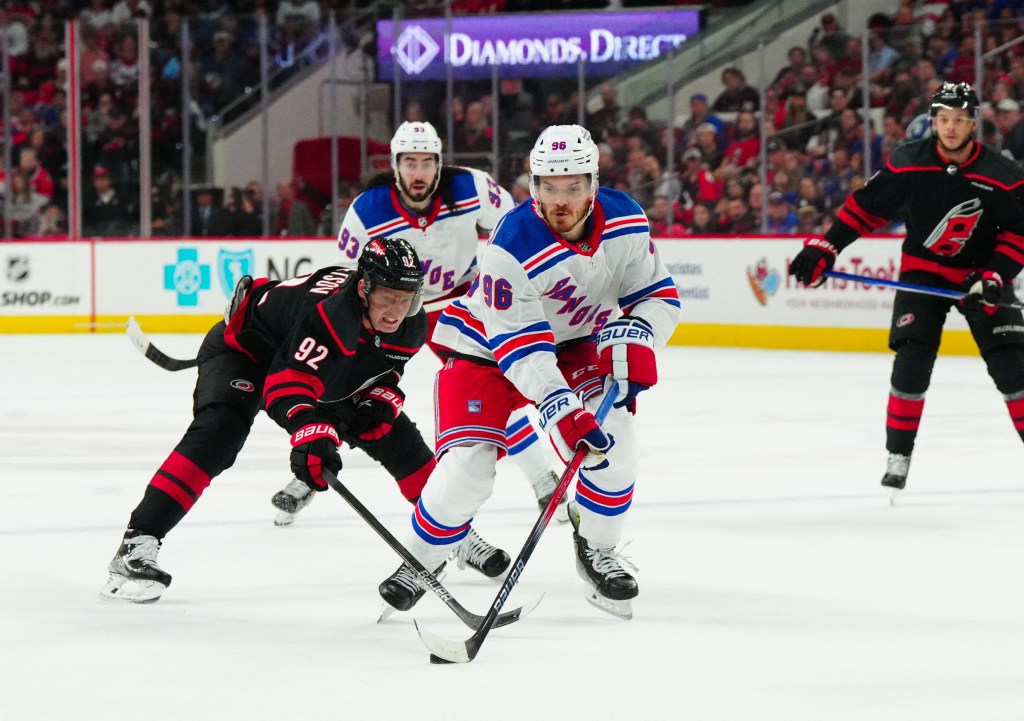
point(530, 45)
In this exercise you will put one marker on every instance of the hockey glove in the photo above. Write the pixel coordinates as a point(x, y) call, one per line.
point(625, 350)
point(570, 426)
point(810, 264)
point(983, 292)
point(315, 449)
point(378, 407)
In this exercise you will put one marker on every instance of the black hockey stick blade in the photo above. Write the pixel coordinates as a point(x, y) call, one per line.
point(909, 287)
point(469, 618)
point(141, 342)
point(443, 650)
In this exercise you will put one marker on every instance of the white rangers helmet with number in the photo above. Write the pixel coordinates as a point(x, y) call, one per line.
point(415, 138)
point(564, 150)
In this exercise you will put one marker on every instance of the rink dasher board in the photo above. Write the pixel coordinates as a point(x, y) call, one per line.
point(734, 291)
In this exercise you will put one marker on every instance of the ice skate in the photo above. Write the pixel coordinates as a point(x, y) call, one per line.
point(134, 575)
point(605, 571)
point(479, 555)
point(290, 500)
point(402, 590)
point(895, 478)
point(545, 489)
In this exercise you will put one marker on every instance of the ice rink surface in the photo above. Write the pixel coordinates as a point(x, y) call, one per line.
point(775, 580)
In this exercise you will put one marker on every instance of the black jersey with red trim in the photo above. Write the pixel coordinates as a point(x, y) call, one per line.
point(309, 333)
point(959, 217)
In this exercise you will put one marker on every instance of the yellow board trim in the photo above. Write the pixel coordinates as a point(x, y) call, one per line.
point(858, 340)
point(106, 323)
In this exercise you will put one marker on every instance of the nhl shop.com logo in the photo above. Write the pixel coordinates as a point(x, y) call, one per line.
point(17, 268)
point(415, 49)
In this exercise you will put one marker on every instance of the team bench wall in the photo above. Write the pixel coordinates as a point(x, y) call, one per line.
point(734, 291)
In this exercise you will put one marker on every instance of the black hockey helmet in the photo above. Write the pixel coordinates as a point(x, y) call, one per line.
point(955, 96)
point(392, 263)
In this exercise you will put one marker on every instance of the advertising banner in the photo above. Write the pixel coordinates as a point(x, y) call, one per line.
point(45, 279)
point(548, 44)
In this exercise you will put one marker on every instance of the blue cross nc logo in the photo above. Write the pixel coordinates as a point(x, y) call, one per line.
point(187, 277)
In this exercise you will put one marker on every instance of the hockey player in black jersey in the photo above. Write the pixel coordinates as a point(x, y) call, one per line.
point(323, 355)
point(962, 205)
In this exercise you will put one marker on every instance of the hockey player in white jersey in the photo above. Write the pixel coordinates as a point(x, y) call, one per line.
point(570, 291)
point(443, 211)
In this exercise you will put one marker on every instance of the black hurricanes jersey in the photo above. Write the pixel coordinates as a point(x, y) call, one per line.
point(958, 217)
point(310, 331)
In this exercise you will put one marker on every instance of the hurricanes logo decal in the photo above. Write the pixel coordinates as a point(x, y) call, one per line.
point(954, 230)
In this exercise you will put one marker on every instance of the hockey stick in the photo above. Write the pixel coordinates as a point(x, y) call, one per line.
point(141, 341)
point(909, 287)
point(444, 650)
point(426, 577)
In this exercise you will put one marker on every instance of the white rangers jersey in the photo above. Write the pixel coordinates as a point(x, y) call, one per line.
point(535, 290)
point(446, 237)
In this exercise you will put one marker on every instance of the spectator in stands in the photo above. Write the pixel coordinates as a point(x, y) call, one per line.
point(23, 207)
point(104, 213)
point(737, 94)
point(326, 228)
point(52, 222)
point(817, 86)
point(34, 173)
point(700, 113)
point(40, 65)
point(224, 62)
point(521, 188)
point(745, 148)
point(809, 191)
point(209, 219)
point(738, 219)
point(893, 135)
point(13, 29)
point(290, 217)
point(781, 220)
point(298, 19)
point(475, 134)
point(698, 184)
point(164, 216)
point(707, 144)
point(830, 36)
point(808, 216)
point(607, 118)
point(662, 222)
point(638, 126)
point(703, 222)
point(881, 58)
point(799, 123)
point(555, 112)
point(791, 73)
point(608, 171)
point(1010, 124)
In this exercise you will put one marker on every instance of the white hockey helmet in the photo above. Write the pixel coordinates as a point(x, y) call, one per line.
point(415, 138)
point(564, 150)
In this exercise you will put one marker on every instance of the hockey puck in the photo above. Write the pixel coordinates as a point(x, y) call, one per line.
point(438, 659)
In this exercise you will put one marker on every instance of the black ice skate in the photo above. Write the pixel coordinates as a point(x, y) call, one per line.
point(609, 585)
point(134, 575)
point(481, 556)
point(895, 477)
point(402, 590)
point(545, 489)
point(290, 500)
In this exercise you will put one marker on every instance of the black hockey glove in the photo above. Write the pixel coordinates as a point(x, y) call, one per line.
point(376, 409)
point(810, 263)
point(984, 290)
point(315, 449)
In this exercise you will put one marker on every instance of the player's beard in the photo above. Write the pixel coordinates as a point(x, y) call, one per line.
point(566, 224)
point(953, 151)
point(417, 198)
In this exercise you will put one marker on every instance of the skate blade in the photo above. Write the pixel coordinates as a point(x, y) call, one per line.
point(386, 612)
point(119, 588)
point(619, 609)
point(893, 493)
point(284, 518)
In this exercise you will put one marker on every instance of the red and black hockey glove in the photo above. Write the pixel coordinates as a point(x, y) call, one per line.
point(984, 290)
point(377, 408)
point(570, 426)
point(315, 449)
point(810, 264)
point(625, 349)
